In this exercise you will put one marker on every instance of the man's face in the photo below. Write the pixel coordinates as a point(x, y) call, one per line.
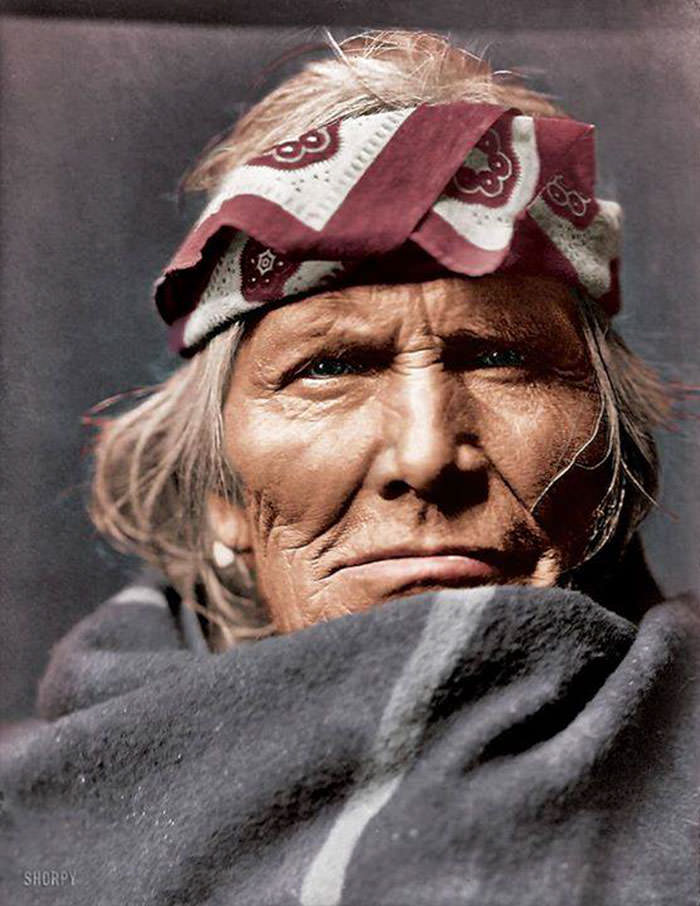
point(395, 438)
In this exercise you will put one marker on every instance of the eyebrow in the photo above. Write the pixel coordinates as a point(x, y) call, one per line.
point(335, 324)
point(330, 326)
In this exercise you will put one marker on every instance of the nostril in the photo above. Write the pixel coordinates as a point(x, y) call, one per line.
point(465, 438)
point(394, 489)
point(452, 490)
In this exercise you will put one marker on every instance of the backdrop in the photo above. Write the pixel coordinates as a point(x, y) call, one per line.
point(99, 119)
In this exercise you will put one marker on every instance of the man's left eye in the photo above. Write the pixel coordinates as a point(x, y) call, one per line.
point(499, 358)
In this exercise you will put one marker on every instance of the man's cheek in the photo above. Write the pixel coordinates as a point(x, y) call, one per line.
point(531, 444)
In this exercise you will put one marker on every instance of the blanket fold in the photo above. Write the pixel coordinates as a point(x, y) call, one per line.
point(488, 746)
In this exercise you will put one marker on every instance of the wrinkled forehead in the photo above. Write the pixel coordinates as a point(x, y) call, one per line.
point(494, 305)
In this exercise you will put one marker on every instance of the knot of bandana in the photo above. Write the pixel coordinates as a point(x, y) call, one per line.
point(466, 188)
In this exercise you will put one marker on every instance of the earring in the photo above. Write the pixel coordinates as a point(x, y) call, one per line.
point(222, 555)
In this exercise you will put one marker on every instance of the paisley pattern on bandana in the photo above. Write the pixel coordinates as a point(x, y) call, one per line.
point(470, 188)
point(490, 170)
point(312, 146)
point(568, 201)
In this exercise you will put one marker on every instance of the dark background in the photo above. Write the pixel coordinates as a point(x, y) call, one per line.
point(101, 111)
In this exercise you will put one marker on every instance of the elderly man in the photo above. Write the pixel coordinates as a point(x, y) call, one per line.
point(406, 459)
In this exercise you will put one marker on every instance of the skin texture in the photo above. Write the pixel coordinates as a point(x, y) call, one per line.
point(391, 421)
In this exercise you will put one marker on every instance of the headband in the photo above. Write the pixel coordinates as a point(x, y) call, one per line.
point(466, 188)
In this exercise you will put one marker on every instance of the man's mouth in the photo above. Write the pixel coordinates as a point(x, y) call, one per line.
point(441, 566)
point(448, 570)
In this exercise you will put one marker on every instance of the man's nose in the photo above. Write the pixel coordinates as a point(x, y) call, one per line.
point(432, 434)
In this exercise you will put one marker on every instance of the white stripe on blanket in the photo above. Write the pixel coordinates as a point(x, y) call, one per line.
point(399, 732)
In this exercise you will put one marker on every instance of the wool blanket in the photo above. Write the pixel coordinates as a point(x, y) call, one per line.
point(490, 746)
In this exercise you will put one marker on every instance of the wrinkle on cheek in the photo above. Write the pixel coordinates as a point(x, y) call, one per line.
point(281, 583)
point(577, 431)
point(309, 474)
point(272, 529)
point(261, 513)
point(318, 607)
point(298, 496)
point(294, 602)
point(530, 439)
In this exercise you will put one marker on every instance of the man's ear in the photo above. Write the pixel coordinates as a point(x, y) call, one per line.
point(229, 523)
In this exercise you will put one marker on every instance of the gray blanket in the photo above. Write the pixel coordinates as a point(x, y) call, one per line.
point(492, 747)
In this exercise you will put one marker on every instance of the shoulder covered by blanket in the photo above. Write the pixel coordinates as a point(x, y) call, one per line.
point(487, 746)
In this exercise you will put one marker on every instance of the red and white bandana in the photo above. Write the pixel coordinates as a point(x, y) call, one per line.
point(465, 188)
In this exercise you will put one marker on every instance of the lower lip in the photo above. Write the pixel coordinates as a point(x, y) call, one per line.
point(449, 570)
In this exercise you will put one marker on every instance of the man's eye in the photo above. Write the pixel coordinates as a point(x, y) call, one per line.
point(499, 358)
point(339, 366)
point(329, 367)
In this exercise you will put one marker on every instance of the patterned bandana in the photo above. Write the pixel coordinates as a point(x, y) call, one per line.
point(396, 196)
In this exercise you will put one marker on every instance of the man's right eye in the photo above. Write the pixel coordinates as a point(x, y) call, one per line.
point(329, 367)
